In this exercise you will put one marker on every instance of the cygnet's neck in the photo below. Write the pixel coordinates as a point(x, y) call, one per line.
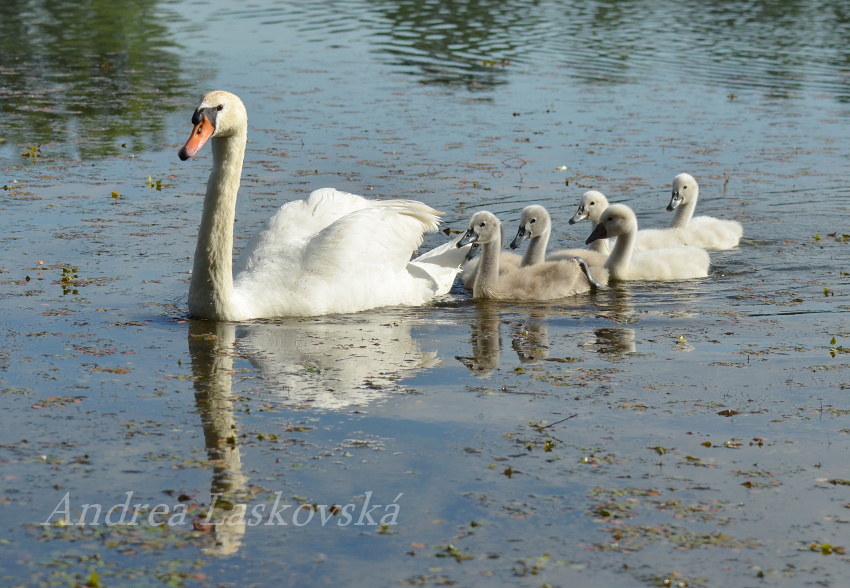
point(621, 255)
point(685, 211)
point(487, 280)
point(536, 252)
point(211, 287)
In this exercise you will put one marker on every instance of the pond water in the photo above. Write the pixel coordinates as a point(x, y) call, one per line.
point(691, 434)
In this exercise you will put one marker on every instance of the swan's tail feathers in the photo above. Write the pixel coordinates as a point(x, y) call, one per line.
point(440, 265)
point(594, 285)
point(329, 205)
point(427, 216)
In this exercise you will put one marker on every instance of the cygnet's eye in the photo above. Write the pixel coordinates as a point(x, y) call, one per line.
point(592, 203)
point(482, 225)
point(220, 107)
point(534, 220)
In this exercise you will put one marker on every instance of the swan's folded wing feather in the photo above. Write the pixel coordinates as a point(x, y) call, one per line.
point(374, 239)
point(549, 280)
point(674, 263)
point(358, 261)
point(440, 265)
point(715, 233)
point(661, 238)
point(296, 221)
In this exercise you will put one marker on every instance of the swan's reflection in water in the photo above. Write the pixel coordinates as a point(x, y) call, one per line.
point(615, 341)
point(529, 327)
point(529, 335)
point(333, 363)
point(485, 339)
point(328, 363)
point(211, 351)
point(616, 306)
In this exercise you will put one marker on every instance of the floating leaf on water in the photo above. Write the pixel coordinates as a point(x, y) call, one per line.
point(58, 401)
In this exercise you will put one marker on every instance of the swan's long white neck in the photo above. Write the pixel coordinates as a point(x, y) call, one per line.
point(621, 256)
point(685, 211)
point(536, 252)
point(211, 287)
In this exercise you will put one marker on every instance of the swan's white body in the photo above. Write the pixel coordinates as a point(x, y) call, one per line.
point(535, 224)
point(703, 231)
point(549, 280)
point(591, 206)
point(332, 253)
point(624, 263)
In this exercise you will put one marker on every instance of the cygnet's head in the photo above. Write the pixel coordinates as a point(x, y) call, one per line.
point(534, 222)
point(591, 205)
point(484, 228)
point(218, 114)
point(685, 189)
point(618, 219)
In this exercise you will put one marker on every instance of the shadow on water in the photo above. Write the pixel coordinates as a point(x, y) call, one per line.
point(89, 78)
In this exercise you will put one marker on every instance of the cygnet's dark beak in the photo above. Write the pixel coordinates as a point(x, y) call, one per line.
point(598, 233)
point(521, 235)
point(470, 236)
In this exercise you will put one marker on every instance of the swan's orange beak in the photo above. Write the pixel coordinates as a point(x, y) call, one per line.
point(202, 131)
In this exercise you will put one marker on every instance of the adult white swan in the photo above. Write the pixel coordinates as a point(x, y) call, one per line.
point(703, 231)
point(549, 280)
point(624, 263)
point(332, 253)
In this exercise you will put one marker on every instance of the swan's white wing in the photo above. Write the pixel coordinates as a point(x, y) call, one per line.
point(296, 221)
point(549, 280)
point(355, 263)
point(715, 233)
point(440, 265)
point(661, 238)
point(674, 263)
